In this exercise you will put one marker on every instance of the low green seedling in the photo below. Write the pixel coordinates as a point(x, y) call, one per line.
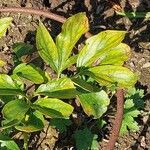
point(98, 64)
point(133, 104)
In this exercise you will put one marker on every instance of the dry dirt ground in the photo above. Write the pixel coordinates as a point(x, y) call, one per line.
point(101, 16)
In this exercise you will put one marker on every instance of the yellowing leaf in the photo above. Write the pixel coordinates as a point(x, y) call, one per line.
point(4, 24)
point(116, 56)
point(108, 74)
point(72, 30)
point(46, 47)
point(99, 44)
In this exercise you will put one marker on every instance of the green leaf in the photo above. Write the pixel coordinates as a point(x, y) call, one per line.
point(129, 123)
point(8, 143)
point(116, 56)
point(94, 104)
point(61, 88)
point(99, 44)
point(2, 63)
point(33, 122)
point(85, 140)
point(101, 123)
point(22, 49)
point(15, 110)
point(54, 108)
point(46, 47)
point(109, 74)
point(130, 112)
point(30, 72)
point(18, 81)
point(60, 124)
point(4, 24)
point(83, 84)
point(8, 86)
point(6, 98)
point(72, 30)
point(137, 96)
point(8, 124)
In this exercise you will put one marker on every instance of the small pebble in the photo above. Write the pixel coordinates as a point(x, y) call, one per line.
point(143, 143)
point(132, 65)
point(146, 65)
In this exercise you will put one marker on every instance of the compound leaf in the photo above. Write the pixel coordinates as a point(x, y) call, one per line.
point(111, 74)
point(97, 45)
point(53, 107)
point(4, 24)
point(130, 112)
point(30, 72)
point(61, 88)
point(8, 86)
point(94, 104)
point(72, 30)
point(137, 96)
point(46, 46)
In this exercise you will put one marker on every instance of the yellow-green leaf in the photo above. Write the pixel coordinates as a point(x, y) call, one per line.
point(4, 24)
point(94, 104)
point(99, 44)
point(30, 72)
point(109, 74)
point(8, 86)
point(53, 107)
point(61, 88)
point(15, 110)
point(116, 56)
point(46, 47)
point(72, 30)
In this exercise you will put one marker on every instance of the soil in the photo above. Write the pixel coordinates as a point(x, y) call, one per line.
point(102, 17)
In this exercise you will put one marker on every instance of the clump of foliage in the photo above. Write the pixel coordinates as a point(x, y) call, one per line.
point(98, 65)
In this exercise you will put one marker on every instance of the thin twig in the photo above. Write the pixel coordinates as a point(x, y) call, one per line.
point(119, 94)
point(118, 120)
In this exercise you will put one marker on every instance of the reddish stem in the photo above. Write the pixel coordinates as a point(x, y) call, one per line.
point(118, 120)
point(119, 94)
